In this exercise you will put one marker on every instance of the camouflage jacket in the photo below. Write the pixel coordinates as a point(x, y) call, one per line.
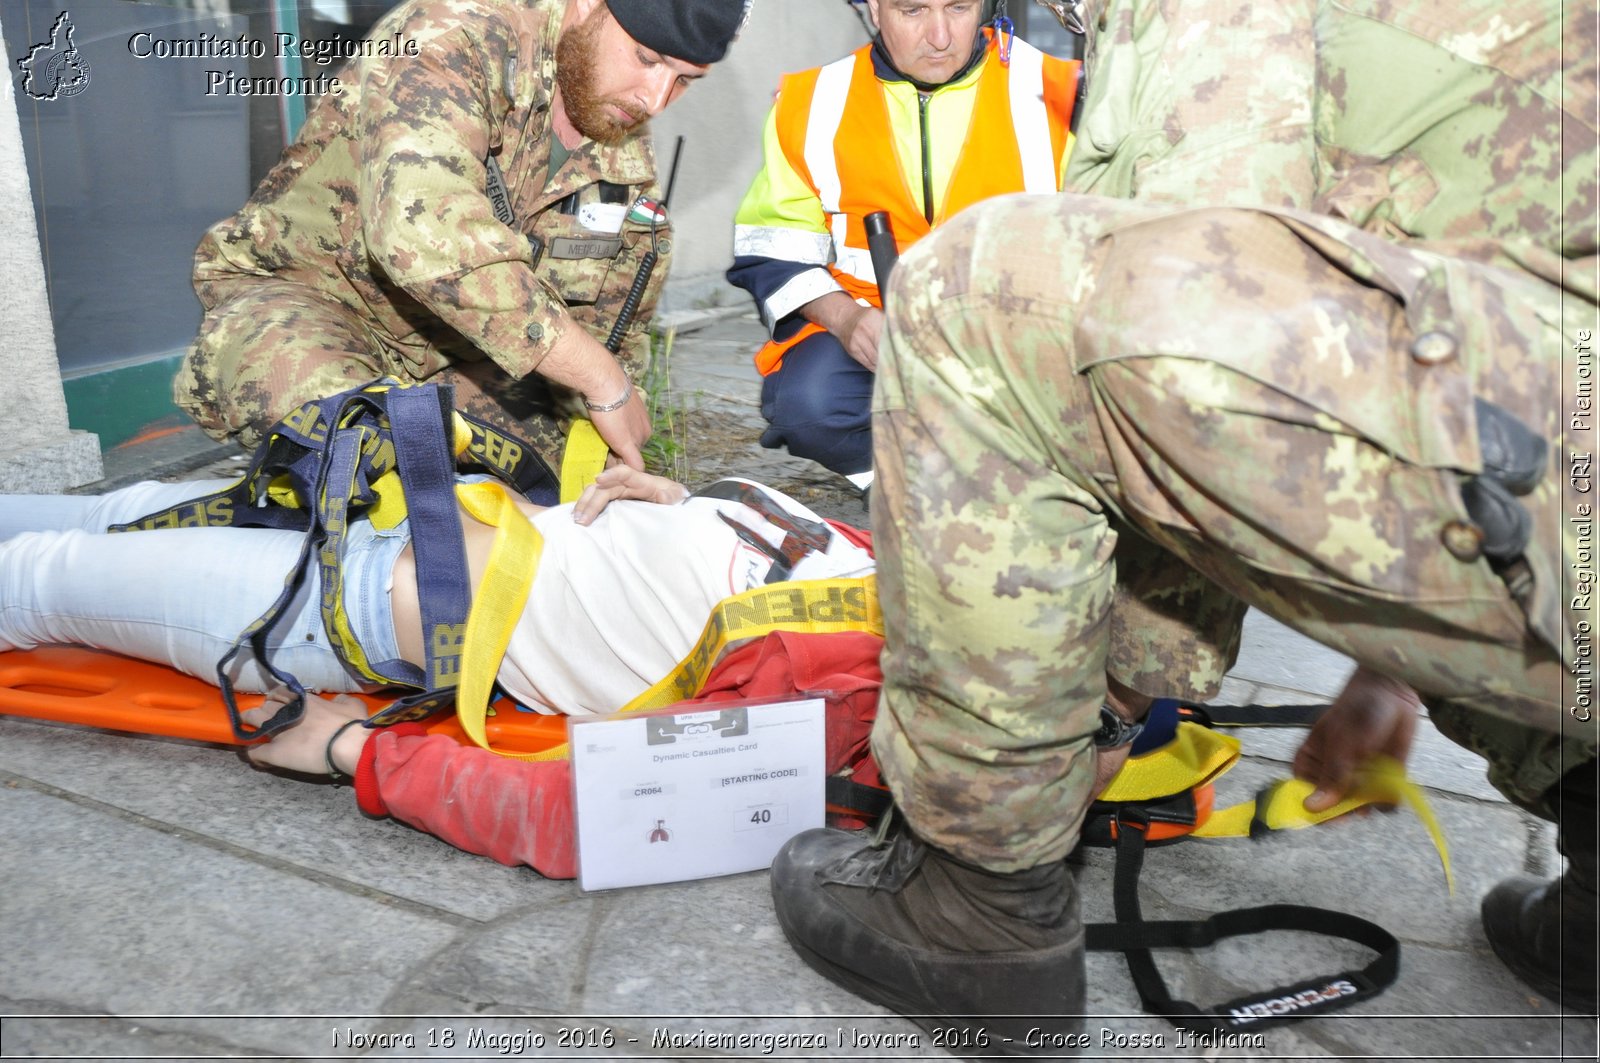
point(1480, 145)
point(385, 203)
point(1264, 114)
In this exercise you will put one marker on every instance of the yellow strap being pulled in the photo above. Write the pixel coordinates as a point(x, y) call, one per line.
point(1382, 780)
point(583, 459)
point(497, 605)
point(1198, 755)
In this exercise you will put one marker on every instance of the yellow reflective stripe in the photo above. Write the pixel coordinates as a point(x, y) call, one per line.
point(583, 459)
point(815, 607)
point(782, 242)
point(856, 261)
point(1382, 780)
point(497, 605)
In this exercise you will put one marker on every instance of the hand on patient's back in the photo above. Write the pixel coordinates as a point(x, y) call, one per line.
point(619, 482)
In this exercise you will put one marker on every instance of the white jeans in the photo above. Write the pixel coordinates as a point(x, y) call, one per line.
point(181, 596)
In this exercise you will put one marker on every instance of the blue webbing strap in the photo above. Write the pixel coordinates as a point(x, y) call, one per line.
point(513, 461)
point(294, 449)
point(236, 506)
point(353, 459)
point(419, 419)
point(338, 461)
point(332, 452)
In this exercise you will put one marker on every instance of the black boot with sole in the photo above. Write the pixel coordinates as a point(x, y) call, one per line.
point(1546, 932)
point(993, 961)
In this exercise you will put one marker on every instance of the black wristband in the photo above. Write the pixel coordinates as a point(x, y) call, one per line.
point(327, 751)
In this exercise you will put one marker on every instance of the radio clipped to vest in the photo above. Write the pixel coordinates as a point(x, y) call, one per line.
point(386, 452)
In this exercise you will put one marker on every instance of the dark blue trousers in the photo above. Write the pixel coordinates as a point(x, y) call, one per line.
point(819, 405)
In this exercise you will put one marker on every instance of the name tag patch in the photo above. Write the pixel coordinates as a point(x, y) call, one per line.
point(572, 247)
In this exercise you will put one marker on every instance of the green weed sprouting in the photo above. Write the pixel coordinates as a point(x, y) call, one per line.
point(664, 454)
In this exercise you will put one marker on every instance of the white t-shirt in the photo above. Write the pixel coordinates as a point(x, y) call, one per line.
point(618, 603)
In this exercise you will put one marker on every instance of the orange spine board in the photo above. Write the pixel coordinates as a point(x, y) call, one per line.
point(94, 688)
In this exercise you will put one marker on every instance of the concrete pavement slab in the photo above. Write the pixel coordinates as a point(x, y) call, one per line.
point(105, 913)
point(1279, 656)
point(211, 792)
point(113, 1037)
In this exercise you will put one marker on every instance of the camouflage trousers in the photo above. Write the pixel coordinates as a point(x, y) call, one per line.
point(1276, 401)
point(267, 345)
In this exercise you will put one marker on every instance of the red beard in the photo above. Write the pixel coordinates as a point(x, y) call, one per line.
point(576, 66)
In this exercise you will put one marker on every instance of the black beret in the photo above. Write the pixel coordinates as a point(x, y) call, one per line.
point(696, 31)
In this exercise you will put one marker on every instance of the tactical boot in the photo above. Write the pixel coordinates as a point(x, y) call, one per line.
point(993, 963)
point(1546, 932)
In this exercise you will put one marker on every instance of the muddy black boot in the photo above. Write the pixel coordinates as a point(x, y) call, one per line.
point(1546, 932)
point(994, 962)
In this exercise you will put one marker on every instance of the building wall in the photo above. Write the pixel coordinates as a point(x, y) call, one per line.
point(38, 453)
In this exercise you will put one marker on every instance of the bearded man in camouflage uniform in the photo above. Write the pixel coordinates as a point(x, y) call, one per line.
point(464, 211)
point(1303, 350)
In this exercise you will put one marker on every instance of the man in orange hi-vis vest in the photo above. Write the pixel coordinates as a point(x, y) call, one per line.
point(935, 114)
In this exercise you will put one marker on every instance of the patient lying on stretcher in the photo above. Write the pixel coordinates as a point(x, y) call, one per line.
point(627, 578)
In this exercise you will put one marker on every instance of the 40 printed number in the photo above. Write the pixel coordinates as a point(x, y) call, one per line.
point(760, 817)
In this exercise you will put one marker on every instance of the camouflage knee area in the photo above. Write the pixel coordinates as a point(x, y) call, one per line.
point(1026, 262)
point(265, 349)
point(1174, 633)
point(1524, 763)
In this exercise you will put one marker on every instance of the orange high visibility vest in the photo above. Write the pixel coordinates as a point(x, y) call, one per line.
point(833, 127)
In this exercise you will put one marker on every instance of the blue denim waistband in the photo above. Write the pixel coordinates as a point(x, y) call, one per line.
point(368, 572)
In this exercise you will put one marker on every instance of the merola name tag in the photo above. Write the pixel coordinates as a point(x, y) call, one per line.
point(572, 247)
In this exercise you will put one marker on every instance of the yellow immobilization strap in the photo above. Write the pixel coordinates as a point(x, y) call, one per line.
point(810, 606)
point(1195, 756)
point(1281, 806)
point(1198, 755)
point(807, 606)
point(813, 607)
point(497, 605)
point(583, 460)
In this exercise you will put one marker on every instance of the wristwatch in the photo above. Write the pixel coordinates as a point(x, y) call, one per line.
point(1115, 732)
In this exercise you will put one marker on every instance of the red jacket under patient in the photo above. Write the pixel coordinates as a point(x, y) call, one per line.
point(520, 812)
